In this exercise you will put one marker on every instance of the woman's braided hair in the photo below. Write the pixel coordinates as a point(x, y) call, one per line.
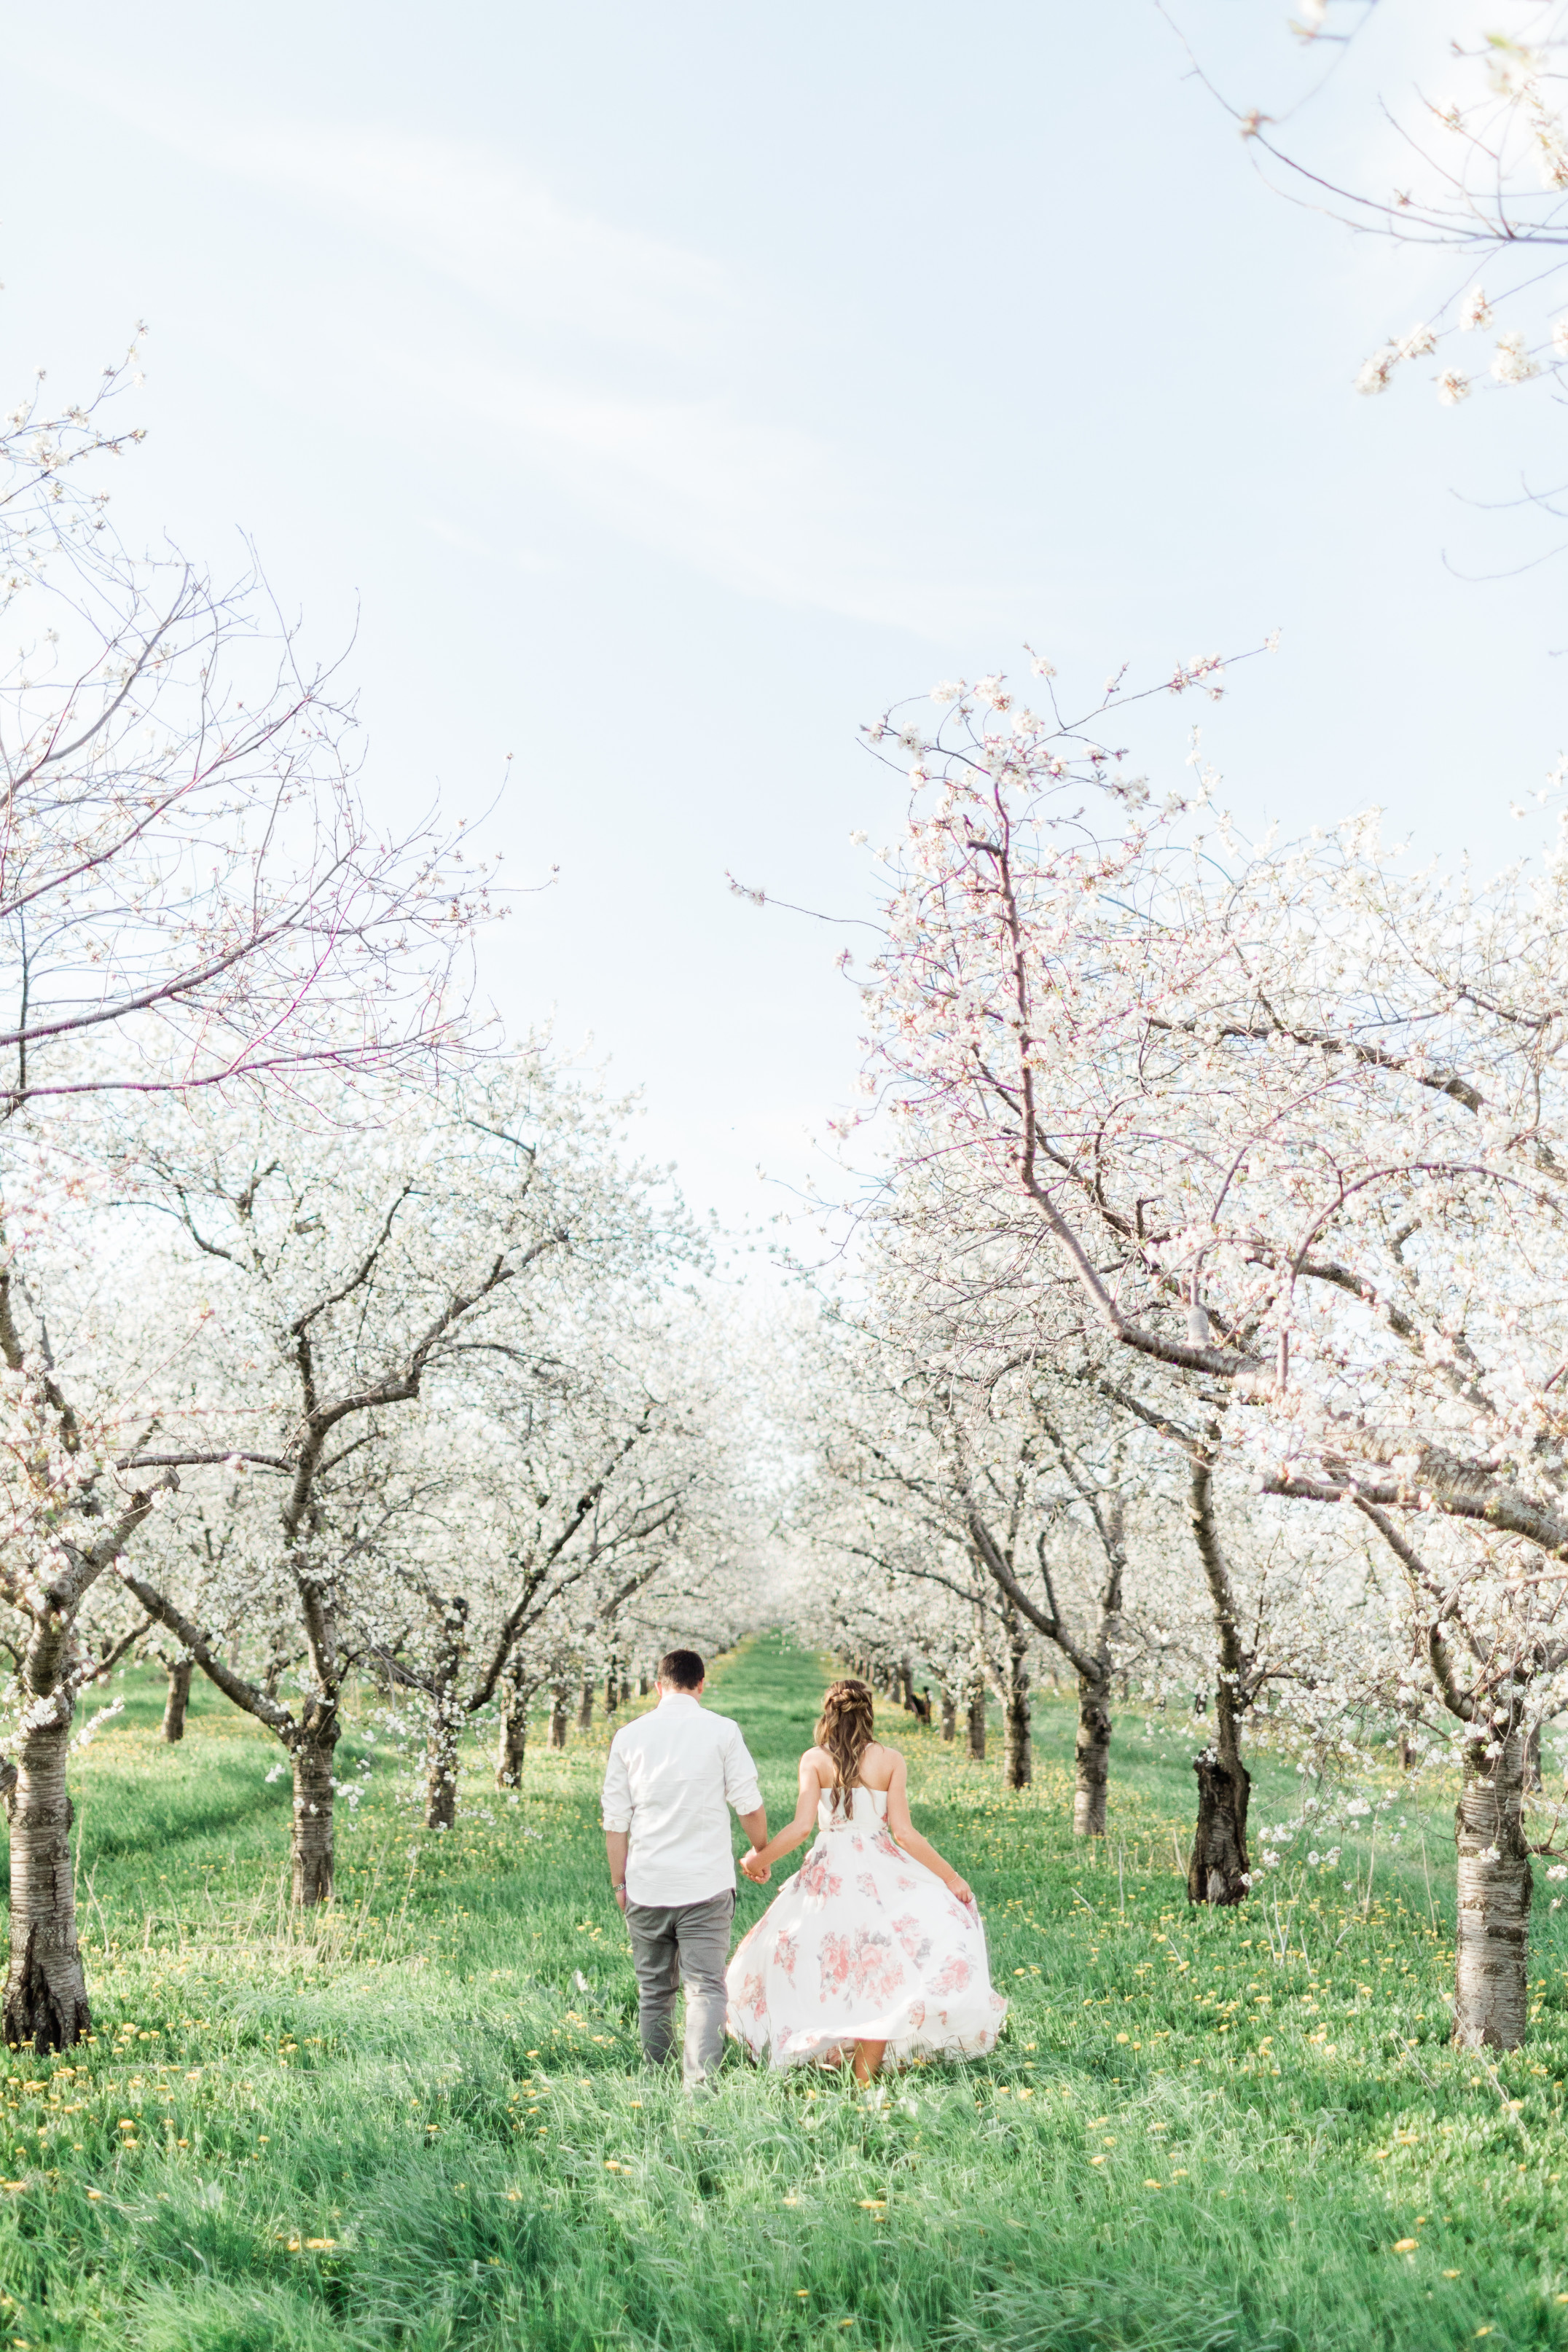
point(845, 1730)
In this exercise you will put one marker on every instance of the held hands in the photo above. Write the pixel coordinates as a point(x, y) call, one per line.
point(758, 1871)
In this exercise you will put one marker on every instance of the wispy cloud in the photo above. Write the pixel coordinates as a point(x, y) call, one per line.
point(626, 368)
point(481, 222)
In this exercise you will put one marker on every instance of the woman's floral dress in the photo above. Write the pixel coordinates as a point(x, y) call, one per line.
point(863, 1944)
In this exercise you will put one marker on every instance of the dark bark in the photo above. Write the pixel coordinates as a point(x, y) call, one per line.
point(977, 1724)
point(178, 1698)
point(1091, 1758)
point(558, 1716)
point(1219, 1870)
point(1491, 1963)
point(585, 1705)
point(314, 1754)
point(612, 1687)
point(1017, 1742)
point(949, 1714)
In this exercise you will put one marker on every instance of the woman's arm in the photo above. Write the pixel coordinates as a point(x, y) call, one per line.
point(756, 1866)
point(909, 1838)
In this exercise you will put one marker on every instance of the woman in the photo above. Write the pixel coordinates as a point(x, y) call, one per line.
point(873, 1945)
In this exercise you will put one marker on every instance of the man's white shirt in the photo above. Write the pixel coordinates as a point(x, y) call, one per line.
point(671, 1779)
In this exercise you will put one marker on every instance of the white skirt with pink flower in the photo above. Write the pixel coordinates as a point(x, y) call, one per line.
point(863, 1944)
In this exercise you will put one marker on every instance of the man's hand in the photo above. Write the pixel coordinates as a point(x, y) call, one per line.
point(621, 1897)
point(756, 1870)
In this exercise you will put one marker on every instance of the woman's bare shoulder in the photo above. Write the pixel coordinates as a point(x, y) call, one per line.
point(878, 1765)
point(819, 1761)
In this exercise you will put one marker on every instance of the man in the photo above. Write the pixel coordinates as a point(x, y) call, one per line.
point(671, 1778)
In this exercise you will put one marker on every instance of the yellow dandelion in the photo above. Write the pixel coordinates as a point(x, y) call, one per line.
point(1404, 2245)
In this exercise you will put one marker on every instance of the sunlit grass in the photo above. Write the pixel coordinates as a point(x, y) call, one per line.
point(421, 2122)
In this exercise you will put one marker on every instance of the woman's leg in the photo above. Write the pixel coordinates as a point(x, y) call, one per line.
point(867, 2060)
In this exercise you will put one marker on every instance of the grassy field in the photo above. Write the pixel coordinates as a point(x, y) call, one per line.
point(422, 2123)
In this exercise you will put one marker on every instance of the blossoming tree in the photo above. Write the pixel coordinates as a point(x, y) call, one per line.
point(192, 896)
point(1289, 1124)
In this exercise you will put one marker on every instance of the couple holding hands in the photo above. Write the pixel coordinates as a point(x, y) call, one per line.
point(874, 1946)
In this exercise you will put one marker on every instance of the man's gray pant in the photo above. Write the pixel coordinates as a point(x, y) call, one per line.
point(685, 1943)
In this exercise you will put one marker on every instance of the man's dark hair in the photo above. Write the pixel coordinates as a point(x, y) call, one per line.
point(682, 1669)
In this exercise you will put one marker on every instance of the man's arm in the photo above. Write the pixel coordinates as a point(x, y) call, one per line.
point(742, 1789)
point(617, 1819)
point(756, 1828)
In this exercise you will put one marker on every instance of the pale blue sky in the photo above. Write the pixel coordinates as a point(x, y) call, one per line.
point(672, 388)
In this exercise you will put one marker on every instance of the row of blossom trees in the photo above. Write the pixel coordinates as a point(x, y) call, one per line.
point(334, 1341)
point(1235, 1176)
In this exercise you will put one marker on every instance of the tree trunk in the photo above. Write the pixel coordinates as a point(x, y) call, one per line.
point(1218, 1871)
point(612, 1687)
point(1532, 1780)
point(312, 1842)
point(949, 1714)
point(511, 1749)
point(445, 1721)
point(178, 1698)
point(977, 1724)
point(585, 1706)
point(558, 1716)
point(1091, 1759)
point(904, 1684)
point(1491, 1961)
point(1017, 1744)
point(441, 1763)
point(645, 1682)
point(46, 1989)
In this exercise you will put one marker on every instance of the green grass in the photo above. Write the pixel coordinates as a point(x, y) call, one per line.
point(410, 2126)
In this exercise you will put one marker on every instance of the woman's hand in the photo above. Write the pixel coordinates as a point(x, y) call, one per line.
point(756, 1869)
point(961, 1890)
